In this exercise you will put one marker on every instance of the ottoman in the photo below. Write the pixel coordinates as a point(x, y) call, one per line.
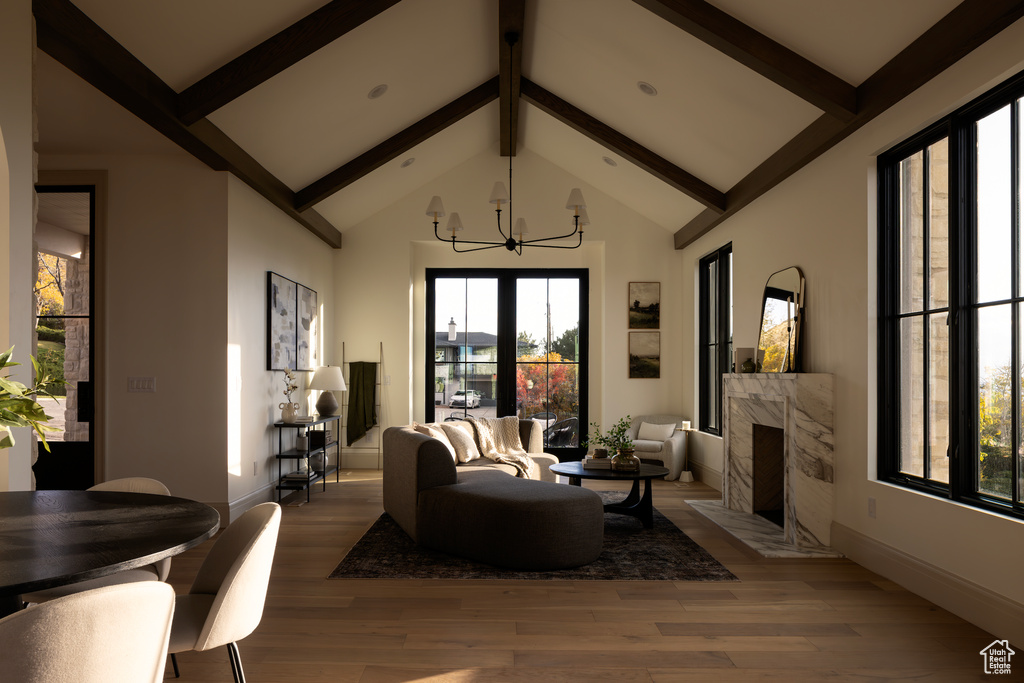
point(514, 523)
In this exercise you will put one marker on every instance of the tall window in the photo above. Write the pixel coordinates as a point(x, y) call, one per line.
point(510, 342)
point(715, 335)
point(951, 288)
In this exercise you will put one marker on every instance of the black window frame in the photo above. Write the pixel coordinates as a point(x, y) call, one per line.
point(507, 338)
point(722, 348)
point(959, 128)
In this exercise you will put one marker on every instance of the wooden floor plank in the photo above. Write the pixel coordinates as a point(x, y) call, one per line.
point(784, 620)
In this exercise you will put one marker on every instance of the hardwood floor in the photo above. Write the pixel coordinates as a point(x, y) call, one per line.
point(784, 620)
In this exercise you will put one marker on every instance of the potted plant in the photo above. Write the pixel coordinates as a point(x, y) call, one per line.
point(619, 439)
point(17, 407)
point(597, 439)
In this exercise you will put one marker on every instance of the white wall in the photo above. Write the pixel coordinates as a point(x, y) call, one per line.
point(380, 280)
point(261, 238)
point(823, 220)
point(16, 215)
point(166, 318)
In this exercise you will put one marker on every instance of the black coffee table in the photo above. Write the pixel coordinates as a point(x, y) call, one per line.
point(636, 505)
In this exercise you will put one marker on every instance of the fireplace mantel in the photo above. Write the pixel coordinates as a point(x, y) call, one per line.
point(801, 405)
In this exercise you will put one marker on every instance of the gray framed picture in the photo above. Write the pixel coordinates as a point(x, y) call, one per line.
point(305, 354)
point(645, 355)
point(644, 305)
point(282, 322)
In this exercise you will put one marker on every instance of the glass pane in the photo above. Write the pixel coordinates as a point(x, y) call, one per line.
point(1020, 418)
point(531, 318)
point(564, 318)
point(712, 293)
point(912, 396)
point(465, 346)
point(712, 386)
point(938, 397)
point(911, 227)
point(564, 403)
point(994, 206)
point(938, 224)
point(995, 401)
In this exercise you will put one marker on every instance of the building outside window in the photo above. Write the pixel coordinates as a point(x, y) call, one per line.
point(951, 304)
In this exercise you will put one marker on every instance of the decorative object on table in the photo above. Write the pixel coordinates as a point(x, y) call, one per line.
point(301, 440)
point(289, 409)
point(778, 345)
point(740, 354)
point(19, 408)
point(592, 462)
point(644, 355)
point(596, 438)
point(291, 324)
point(515, 240)
point(748, 366)
point(684, 426)
point(644, 305)
point(327, 379)
point(619, 438)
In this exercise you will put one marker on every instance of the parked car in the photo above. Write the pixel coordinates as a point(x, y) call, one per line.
point(465, 399)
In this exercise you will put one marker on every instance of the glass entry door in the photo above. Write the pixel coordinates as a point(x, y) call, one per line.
point(509, 342)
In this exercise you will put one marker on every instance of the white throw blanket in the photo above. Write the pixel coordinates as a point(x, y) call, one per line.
point(498, 439)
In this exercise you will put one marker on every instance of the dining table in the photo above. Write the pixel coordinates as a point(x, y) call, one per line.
point(55, 538)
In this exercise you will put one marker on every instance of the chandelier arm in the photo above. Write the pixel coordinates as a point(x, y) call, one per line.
point(532, 243)
point(491, 245)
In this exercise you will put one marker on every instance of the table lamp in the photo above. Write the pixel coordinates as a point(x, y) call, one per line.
point(327, 379)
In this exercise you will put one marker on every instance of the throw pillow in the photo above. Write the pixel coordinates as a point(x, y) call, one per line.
point(654, 432)
point(437, 433)
point(462, 440)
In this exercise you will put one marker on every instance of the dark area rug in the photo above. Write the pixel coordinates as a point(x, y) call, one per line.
point(631, 553)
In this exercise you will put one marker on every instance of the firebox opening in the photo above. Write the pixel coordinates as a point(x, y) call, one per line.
point(769, 473)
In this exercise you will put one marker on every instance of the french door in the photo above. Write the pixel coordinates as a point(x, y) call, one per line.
point(510, 342)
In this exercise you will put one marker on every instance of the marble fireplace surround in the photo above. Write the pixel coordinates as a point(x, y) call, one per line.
point(801, 405)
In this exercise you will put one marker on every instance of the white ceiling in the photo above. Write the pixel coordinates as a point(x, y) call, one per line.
point(712, 117)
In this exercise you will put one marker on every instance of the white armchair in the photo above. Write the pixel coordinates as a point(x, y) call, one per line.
point(661, 442)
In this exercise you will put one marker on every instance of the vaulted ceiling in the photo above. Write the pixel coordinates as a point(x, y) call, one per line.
point(683, 110)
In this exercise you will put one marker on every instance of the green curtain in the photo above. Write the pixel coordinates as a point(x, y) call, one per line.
point(362, 404)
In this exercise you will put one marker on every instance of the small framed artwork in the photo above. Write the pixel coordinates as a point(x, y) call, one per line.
point(305, 353)
point(645, 355)
point(644, 305)
point(282, 322)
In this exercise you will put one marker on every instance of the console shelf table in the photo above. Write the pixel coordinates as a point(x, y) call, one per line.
point(304, 475)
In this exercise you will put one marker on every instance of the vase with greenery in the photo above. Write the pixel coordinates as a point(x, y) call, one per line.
point(18, 408)
point(619, 439)
point(600, 441)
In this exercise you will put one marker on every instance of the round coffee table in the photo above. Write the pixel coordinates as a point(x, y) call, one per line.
point(636, 505)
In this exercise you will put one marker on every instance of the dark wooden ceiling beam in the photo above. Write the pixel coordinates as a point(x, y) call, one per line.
point(756, 51)
point(511, 21)
point(65, 33)
point(966, 27)
point(397, 144)
point(620, 144)
point(274, 55)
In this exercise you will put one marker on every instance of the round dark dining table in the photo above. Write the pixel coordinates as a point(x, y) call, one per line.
point(54, 538)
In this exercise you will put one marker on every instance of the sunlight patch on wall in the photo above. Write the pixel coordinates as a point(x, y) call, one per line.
point(235, 410)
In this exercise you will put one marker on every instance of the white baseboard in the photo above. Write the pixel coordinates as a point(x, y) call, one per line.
point(1001, 617)
point(229, 512)
point(708, 475)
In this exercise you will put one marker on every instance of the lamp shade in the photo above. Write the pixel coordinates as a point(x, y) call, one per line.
point(328, 378)
point(435, 208)
point(575, 201)
point(584, 218)
point(499, 193)
point(521, 228)
point(454, 223)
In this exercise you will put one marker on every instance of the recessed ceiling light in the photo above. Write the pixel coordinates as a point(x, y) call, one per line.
point(646, 88)
point(609, 161)
point(408, 162)
point(377, 91)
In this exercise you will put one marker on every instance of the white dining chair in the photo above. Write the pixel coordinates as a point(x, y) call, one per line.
point(225, 602)
point(114, 633)
point(157, 571)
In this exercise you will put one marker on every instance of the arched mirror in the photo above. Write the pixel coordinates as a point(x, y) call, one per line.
point(781, 315)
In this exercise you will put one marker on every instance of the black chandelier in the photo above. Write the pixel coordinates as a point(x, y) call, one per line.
point(515, 239)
